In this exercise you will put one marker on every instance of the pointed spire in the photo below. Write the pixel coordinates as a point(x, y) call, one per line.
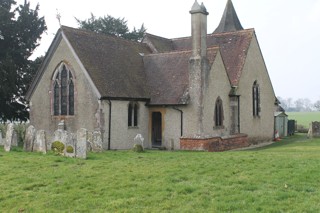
point(196, 8)
point(229, 21)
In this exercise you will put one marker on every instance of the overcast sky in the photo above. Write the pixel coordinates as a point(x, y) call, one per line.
point(288, 31)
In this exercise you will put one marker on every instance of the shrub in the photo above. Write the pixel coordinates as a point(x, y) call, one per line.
point(69, 149)
point(137, 148)
point(57, 147)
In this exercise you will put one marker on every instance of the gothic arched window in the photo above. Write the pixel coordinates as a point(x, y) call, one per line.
point(218, 113)
point(133, 114)
point(255, 99)
point(63, 91)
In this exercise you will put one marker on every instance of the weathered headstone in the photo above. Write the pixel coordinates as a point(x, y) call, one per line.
point(9, 136)
point(138, 139)
point(14, 139)
point(70, 145)
point(89, 141)
point(29, 138)
point(97, 142)
point(81, 146)
point(314, 129)
point(60, 135)
point(138, 143)
point(40, 143)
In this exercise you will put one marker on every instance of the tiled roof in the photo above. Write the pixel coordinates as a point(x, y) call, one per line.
point(233, 48)
point(157, 44)
point(115, 65)
point(168, 76)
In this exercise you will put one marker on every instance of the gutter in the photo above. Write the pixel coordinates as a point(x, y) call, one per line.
point(181, 117)
point(109, 132)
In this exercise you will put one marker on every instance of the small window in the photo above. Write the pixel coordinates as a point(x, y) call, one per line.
point(63, 91)
point(218, 113)
point(133, 114)
point(255, 99)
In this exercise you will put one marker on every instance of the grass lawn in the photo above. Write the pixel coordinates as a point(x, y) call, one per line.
point(283, 177)
point(304, 118)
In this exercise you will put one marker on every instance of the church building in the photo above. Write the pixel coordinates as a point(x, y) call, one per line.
point(207, 91)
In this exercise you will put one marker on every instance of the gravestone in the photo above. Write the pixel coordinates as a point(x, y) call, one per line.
point(89, 141)
point(314, 129)
point(81, 146)
point(40, 143)
point(97, 142)
point(29, 139)
point(9, 136)
point(70, 145)
point(60, 135)
point(138, 139)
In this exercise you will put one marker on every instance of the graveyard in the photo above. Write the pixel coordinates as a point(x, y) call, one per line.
point(283, 176)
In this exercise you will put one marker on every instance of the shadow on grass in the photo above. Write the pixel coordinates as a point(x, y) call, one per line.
point(298, 137)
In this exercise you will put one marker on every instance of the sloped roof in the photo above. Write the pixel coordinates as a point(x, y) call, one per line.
point(168, 76)
point(233, 48)
point(115, 65)
point(157, 43)
point(229, 21)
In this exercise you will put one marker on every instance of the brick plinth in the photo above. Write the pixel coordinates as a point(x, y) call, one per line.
point(215, 144)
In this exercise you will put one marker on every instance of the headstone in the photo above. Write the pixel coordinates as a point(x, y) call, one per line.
point(89, 141)
point(60, 135)
point(316, 129)
point(97, 142)
point(138, 139)
point(14, 139)
point(40, 143)
point(9, 136)
point(81, 146)
point(70, 145)
point(29, 139)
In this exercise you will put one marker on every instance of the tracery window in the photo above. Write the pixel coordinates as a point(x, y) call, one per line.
point(255, 99)
point(133, 114)
point(218, 113)
point(63, 91)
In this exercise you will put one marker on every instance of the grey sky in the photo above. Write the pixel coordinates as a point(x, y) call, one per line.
point(288, 31)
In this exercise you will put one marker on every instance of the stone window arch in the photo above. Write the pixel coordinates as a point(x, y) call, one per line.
point(256, 99)
point(133, 111)
point(63, 91)
point(218, 113)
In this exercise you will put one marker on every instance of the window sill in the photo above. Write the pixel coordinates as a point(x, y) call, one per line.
point(218, 127)
point(133, 127)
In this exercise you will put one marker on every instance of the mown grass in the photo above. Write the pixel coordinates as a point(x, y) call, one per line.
point(283, 177)
point(304, 118)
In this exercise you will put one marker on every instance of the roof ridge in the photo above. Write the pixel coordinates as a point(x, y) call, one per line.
point(169, 53)
point(99, 34)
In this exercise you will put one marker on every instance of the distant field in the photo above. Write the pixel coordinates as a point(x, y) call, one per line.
point(304, 118)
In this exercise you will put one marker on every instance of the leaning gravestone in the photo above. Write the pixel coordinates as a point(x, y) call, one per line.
point(9, 136)
point(29, 139)
point(40, 143)
point(81, 146)
point(97, 142)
